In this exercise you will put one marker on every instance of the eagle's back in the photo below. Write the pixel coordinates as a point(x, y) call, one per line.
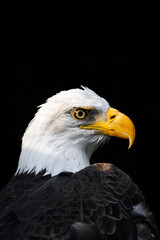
point(98, 202)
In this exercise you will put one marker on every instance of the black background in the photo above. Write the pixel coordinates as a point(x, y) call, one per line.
point(111, 47)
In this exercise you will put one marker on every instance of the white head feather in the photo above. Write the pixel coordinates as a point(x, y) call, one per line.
point(53, 141)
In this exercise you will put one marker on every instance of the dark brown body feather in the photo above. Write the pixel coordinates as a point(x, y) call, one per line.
point(94, 203)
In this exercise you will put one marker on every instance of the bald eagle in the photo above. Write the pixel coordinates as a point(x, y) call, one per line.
point(56, 194)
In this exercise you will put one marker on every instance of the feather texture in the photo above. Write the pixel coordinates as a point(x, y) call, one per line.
point(92, 203)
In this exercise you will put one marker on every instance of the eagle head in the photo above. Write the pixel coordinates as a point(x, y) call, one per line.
point(67, 129)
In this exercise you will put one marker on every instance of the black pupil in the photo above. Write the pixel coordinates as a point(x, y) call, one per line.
point(80, 113)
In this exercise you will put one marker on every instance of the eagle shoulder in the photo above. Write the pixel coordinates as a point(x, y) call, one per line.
point(114, 203)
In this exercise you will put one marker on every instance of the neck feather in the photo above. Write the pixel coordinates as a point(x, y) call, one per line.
point(52, 156)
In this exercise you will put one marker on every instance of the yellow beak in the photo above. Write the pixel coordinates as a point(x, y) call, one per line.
point(116, 124)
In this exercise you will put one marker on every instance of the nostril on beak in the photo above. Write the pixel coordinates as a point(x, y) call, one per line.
point(112, 114)
point(113, 117)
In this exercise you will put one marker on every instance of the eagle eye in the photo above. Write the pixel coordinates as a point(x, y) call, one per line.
point(80, 113)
